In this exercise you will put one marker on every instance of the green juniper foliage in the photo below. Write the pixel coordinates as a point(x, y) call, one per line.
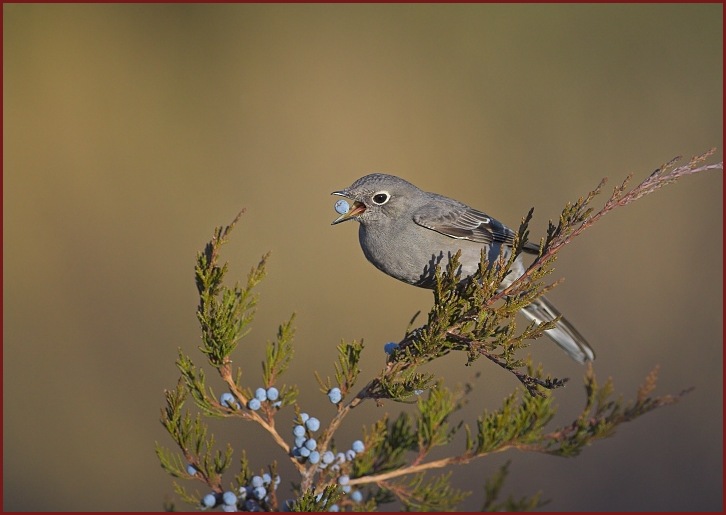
point(393, 462)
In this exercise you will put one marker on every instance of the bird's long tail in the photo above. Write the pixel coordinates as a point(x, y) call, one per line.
point(564, 333)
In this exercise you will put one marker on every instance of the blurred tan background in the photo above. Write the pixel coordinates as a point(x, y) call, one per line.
point(131, 131)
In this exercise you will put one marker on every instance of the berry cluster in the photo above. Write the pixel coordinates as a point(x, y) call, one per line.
point(355, 495)
point(253, 496)
point(305, 444)
point(306, 448)
point(270, 394)
point(249, 497)
point(335, 461)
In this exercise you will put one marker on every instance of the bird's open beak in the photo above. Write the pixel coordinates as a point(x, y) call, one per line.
point(356, 209)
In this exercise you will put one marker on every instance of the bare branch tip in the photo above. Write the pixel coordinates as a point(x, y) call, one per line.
point(239, 215)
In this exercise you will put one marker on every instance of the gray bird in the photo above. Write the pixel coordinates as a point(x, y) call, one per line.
point(405, 232)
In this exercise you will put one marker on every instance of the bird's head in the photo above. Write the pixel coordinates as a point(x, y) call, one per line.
point(377, 196)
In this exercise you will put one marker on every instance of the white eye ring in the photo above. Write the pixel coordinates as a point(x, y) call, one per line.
point(381, 198)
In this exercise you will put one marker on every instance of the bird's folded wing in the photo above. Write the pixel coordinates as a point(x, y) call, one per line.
point(460, 221)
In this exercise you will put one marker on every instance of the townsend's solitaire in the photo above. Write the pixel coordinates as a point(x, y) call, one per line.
point(405, 232)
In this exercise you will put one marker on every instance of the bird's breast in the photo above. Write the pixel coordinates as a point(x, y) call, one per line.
point(411, 254)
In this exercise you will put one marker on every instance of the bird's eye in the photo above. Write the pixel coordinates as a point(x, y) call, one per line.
point(381, 198)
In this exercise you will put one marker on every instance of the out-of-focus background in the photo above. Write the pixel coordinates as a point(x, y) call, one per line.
point(131, 131)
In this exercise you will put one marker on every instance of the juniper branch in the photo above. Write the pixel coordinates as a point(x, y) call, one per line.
point(473, 316)
point(518, 429)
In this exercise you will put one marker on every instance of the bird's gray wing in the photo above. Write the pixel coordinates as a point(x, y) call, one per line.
point(457, 220)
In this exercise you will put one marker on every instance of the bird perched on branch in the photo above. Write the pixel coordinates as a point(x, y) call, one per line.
point(405, 232)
